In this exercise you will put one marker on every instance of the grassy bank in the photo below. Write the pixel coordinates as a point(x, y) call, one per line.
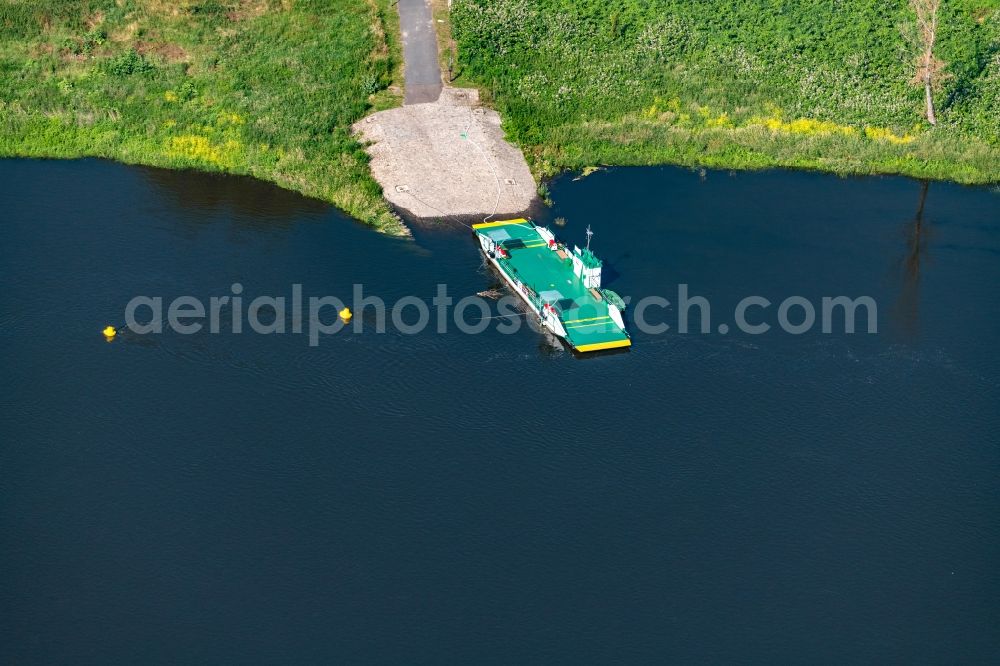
point(747, 84)
point(267, 88)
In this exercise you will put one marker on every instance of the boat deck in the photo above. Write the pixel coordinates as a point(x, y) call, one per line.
point(588, 326)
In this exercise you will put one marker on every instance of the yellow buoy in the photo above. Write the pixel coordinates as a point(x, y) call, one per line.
point(345, 314)
point(110, 332)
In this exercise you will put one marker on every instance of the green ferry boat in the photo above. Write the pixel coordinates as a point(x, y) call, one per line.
point(562, 286)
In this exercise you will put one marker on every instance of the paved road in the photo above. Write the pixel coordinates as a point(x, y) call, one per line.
point(420, 54)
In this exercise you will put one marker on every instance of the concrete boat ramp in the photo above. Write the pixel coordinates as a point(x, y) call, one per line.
point(441, 153)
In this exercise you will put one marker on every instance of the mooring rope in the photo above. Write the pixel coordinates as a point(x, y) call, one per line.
point(496, 176)
point(496, 204)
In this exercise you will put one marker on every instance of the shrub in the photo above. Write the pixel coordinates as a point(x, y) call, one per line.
point(187, 92)
point(128, 63)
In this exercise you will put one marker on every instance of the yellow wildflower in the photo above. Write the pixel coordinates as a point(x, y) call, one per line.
point(886, 134)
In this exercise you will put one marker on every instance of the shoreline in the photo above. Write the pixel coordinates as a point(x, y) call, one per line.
point(550, 160)
point(265, 91)
point(342, 176)
point(658, 84)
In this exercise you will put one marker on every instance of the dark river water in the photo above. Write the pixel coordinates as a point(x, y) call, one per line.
point(453, 498)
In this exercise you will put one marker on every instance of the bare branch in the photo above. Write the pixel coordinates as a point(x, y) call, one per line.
point(929, 70)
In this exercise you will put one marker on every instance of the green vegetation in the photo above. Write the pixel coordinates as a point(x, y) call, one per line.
point(824, 84)
point(267, 88)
